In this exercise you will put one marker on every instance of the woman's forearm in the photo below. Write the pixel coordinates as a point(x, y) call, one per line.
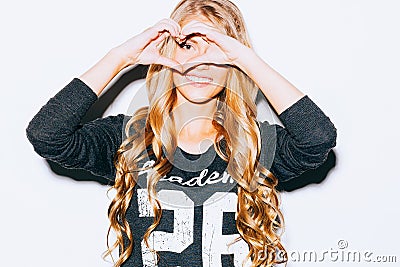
point(279, 91)
point(100, 74)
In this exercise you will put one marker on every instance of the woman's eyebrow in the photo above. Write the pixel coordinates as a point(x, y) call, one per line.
point(191, 36)
point(188, 38)
point(192, 40)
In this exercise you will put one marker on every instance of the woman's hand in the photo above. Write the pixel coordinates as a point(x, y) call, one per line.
point(144, 48)
point(221, 49)
point(140, 49)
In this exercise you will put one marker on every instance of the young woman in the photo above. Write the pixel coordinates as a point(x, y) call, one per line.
point(195, 173)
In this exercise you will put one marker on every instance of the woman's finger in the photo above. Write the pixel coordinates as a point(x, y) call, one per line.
point(157, 42)
point(168, 25)
point(196, 61)
point(168, 62)
point(210, 34)
point(226, 45)
point(176, 26)
point(205, 58)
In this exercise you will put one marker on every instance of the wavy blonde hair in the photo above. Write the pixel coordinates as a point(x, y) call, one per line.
point(151, 131)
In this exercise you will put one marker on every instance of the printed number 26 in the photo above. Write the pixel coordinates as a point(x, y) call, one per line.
point(214, 243)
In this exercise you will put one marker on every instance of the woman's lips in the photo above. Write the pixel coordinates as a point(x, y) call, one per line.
point(198, 81)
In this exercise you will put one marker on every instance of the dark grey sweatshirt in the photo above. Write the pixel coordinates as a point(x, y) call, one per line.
point(198, 196)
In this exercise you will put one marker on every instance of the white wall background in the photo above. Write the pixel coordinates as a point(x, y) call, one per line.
point(343, 54)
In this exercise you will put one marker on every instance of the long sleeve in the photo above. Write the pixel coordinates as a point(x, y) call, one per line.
point(303, 144)
point(57, 134)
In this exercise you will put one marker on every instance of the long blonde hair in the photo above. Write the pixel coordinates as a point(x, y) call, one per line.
point(151, 131)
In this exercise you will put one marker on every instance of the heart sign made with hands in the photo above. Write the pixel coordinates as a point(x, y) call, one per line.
point(221, 49)
point(213, 46)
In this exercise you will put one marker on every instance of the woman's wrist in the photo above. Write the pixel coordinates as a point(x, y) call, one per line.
point(246, 59)
point(121, 57)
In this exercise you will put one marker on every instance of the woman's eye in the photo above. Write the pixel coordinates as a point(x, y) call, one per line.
point(187, 46)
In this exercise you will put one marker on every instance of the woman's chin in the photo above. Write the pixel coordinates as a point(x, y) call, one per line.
point(197, 98)
point(199, 92)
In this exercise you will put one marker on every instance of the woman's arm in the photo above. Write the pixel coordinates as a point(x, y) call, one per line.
point(100, 74)
point(56, 131)
point(140, 49)
point(279, 91)
point(308, 135)
point(304, 143)
point(57, 134)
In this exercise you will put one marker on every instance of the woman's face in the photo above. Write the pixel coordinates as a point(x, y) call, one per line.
point(204, 81)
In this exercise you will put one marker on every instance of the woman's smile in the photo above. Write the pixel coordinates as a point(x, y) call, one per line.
point(198, 81)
